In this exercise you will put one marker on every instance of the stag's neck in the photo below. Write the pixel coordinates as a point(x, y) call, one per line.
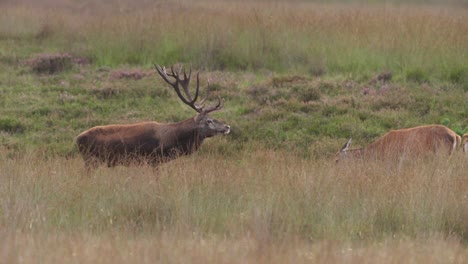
point(371, 151)
point(356, 153)
point(186, 136)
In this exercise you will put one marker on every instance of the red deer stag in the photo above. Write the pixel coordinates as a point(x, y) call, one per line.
point(410, 142)
point(153, 142)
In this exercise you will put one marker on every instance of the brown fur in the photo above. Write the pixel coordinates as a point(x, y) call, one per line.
point(147, 142)
point(411, 142)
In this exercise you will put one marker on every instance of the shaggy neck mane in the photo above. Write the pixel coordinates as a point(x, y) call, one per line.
point(186, 136)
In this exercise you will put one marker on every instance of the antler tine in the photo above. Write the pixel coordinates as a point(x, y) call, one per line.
point(175, 84)
point(176, 73)
point(162, 72)
point(183, 82)
point(197, 89)
point(216, 107)
point(202, 102)
point(185, 85)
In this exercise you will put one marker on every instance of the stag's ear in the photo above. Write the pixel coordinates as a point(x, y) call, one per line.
point(200, 117)
point(346, 146)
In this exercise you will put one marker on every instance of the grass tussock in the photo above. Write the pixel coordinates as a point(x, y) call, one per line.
point(260, 204)
point(50, 63)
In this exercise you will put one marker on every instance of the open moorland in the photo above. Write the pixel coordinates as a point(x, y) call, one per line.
point(298, 79)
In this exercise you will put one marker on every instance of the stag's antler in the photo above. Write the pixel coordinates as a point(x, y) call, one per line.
point(199, 107)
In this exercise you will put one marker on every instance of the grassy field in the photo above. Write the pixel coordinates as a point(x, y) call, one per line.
point(413, 41)
point(258, 206)
point(299, 78)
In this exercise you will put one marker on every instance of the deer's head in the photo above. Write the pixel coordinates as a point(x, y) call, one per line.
point(206, 125)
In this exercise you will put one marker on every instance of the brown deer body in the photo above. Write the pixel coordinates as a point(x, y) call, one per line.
point(410, 142)
point(152, 142)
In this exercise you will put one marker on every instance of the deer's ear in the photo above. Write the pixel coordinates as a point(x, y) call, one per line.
point(346, 146)
point(199, 117)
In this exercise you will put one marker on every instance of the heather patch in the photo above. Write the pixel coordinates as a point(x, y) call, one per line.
point(133, 74)
point(52, 63)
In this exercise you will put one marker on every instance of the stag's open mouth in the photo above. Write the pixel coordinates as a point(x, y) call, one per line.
point(227, 130)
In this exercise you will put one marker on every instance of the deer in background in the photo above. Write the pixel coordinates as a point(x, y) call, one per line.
point(153, 142)
point(411, 142)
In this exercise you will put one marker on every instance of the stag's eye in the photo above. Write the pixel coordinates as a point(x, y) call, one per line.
point(209, 121)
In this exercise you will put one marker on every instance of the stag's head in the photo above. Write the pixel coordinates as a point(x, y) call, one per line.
point(207, 126)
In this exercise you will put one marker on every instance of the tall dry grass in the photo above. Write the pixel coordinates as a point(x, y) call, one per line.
point(21, 247)
point(428, 40)
point(256, 206)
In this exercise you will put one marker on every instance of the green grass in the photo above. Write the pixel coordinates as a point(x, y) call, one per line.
point(277, 110)
point(418, 43)
point(298, 79)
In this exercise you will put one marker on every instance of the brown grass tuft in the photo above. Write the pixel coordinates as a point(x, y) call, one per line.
point(134, 74)
point(50, 63)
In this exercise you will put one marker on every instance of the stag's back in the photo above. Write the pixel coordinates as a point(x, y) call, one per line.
point(110, 140)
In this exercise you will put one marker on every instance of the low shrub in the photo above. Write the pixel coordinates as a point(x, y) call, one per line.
point(417, 75)
point(50, 63)
point(11, 125)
